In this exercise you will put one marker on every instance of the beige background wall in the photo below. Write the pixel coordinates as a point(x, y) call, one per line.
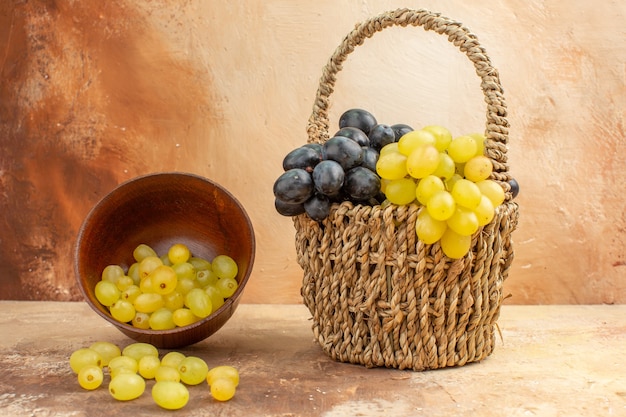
point(94, 93)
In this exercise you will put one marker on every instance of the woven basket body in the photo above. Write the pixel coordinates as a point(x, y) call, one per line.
point(379, 296)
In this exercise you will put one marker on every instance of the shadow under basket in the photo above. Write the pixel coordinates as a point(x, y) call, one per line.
point(378, 295)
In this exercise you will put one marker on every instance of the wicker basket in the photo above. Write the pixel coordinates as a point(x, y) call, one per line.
point(380, 297)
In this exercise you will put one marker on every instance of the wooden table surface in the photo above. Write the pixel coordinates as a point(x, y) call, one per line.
point(551, 361)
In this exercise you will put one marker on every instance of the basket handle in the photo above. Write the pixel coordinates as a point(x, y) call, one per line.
point(497, 125)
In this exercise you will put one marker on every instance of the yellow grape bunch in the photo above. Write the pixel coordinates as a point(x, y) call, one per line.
point(449, 177)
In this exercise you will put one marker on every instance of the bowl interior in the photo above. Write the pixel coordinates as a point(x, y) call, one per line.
point(161, 210)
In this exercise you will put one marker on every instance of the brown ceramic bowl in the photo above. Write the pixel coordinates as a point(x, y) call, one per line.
point(160, 210)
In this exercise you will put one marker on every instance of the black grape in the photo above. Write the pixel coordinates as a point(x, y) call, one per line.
point(328, 177)
point(361, 184)
point(400, 129)
point(355, 134)
point(381, 135)
point(294, 186)
point(303, 157)
point(359, 118)
point(343, 150)
point(370, 157)
point(288, 209)
point(317, 207)
point(514, 187)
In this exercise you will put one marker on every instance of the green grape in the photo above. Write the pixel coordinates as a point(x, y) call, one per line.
point(492, 190)
point(198, 302)
point(410, 141)
point(463, 221)
point(401, 191)
point(166, 260)
point(148, 302)
point(455, 245)
point(428, 229)
point(164, 279)
point(123, 311)
point(143, 251)
point(462, 149)
point(217, 299)
point(479, 138)
point(199, 263)
point(161, 319)
point(206, 277)
point(391, 166)
point(123, 362)
point(484, 211)
point(193, 370)
point(138, 350)
point(148, 366)
point(125, 387)
point(223, 389)
point(423, 161)
point(133, 272)
point(390, 147)
point(130, 293)
point(184, 270)
point(146, 285)
point(90, 377)
point(141, 320)
point(441, 205)
point(183, 317)
point(185, 285)
point(172, 359)
point(167, 373)
point(107, 293)
point(173, 301)
point(223, 371)
point(178, 253)
point(170, 395)
point(428, 186)
point(450, 182)
point(124, 282)
point(443, 137)
point(112, 273)
point(84, 357)
point(224, 266)
point(466, 194)
point(107, 351)
point(478, 168)
point(148, 264)
point(446, 168)
point(227, 286)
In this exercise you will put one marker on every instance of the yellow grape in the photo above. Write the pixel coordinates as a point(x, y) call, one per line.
point(478, 168)
point(463, 221)
point(428, 186)
point(455, 245)
point(227, 287)
point(107, 293)
point(143, 251)
point(173, 301)
point(441, 205)
point(450, 182)
point(224, 266)
point(492, 190)
point(415, 139)
point(148, 366)
point(148, 302)
point(466, 193)
point(124, 282)
point(83, 357)
point(138, 350)
point(90, 377)
point(443, 137)
point(125, 387)
point(479, 138)
point(164, 279)
point(123, 362)
point(446, 168)
point(462, 149)
point(390, 147)
point(198, 302)
point(141, 320)
point(183, 317)
point(484, 211)
point(223, 371)
point(171, 395)
point(216, 296)
point(167, 373)
point(423, 161)
point(392, 166)
point(428, 229)
point(184, 270)
point(148, 264)
point(193, 370)
point(223, 389)
point(400, 191)
point(107, 351)
point(178, 253)
point(162, 319)
point(133, 272)
point(172, 359)
point(123, 311)
point(112, 273)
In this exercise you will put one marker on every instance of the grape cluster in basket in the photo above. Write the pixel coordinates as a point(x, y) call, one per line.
point(367, 162)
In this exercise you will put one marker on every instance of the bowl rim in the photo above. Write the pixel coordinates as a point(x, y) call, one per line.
point(230, 303)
